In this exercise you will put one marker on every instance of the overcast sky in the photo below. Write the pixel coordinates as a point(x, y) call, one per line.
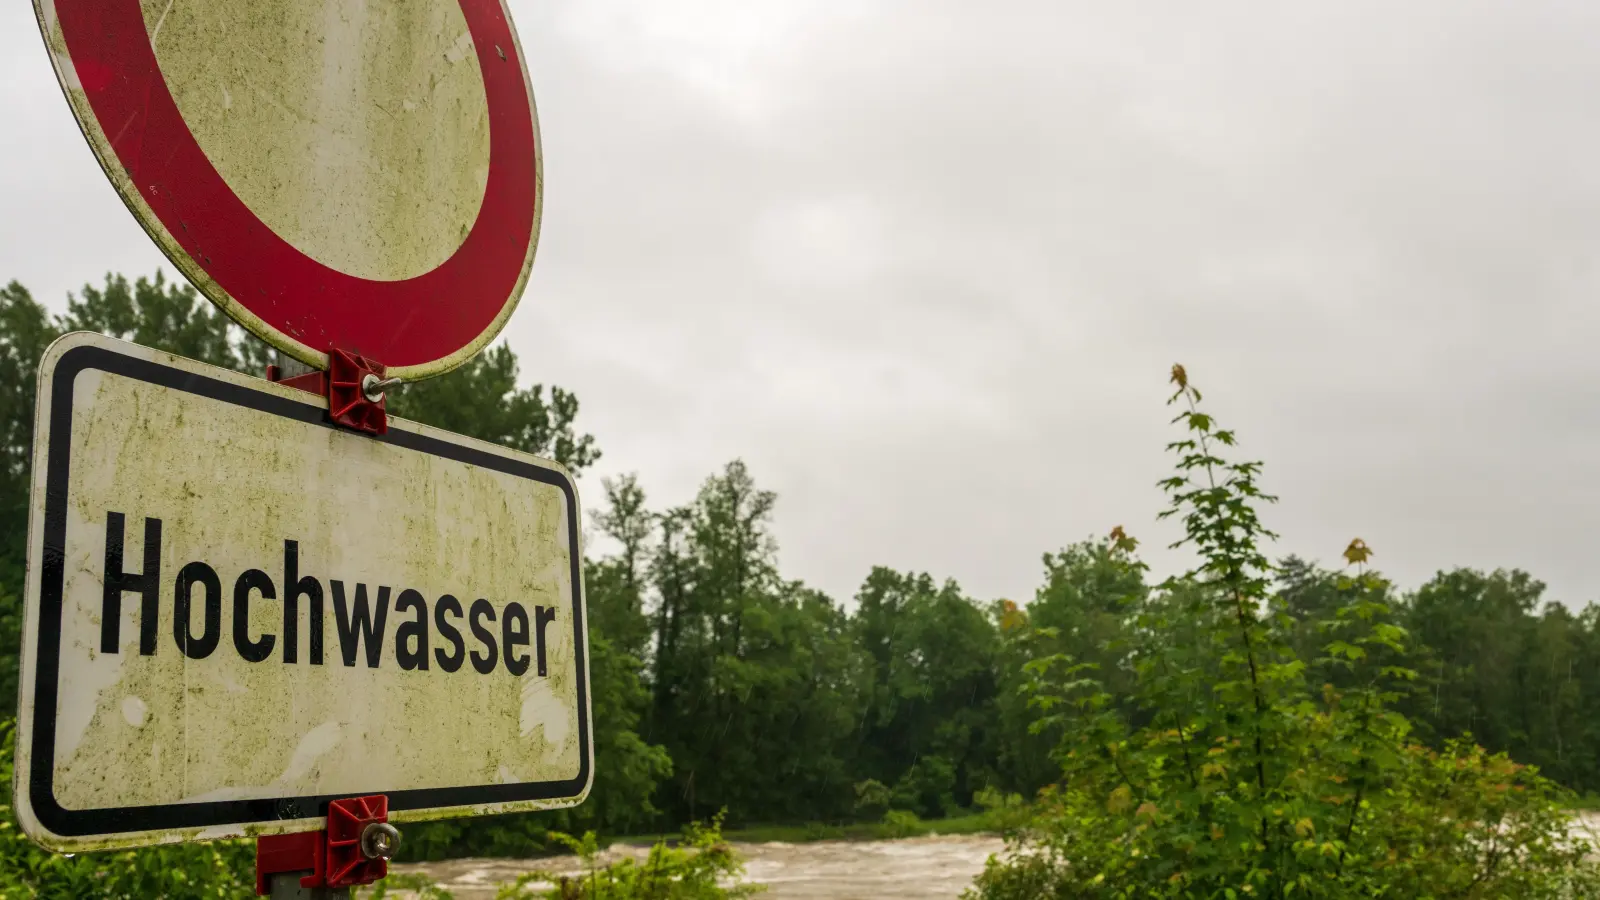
point(924, 265)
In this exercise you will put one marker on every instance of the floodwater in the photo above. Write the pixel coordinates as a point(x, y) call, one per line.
point(926, 868)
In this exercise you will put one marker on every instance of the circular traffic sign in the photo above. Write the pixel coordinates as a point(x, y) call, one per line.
point(361, 176)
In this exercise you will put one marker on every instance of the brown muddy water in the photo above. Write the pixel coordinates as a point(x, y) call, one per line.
point(927, 868)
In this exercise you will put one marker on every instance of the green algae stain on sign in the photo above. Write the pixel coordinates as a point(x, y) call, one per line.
point(362, 138)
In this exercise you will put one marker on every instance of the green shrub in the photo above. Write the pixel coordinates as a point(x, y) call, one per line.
point(219, 869)
point(416, 886)
point(1002, 812)
point(927, 788)
point(873, 798)
point(1230, 776)
point(694, 870)
point(819, 831)
point(901, 823)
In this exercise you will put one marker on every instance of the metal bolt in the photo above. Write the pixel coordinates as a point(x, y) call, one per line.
point(372, 387)
point(379, 840)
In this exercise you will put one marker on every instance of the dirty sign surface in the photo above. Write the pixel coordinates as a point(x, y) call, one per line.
point(364, 176)
point(236, 613)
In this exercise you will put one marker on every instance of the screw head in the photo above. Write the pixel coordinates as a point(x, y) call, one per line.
point(379, 840)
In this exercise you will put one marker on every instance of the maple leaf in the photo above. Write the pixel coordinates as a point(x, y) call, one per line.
point(1357, 552)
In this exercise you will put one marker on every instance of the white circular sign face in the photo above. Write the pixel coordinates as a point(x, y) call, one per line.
point(357, 176)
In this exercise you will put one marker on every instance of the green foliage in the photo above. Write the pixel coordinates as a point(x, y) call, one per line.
point(902, 823)
point(1002, 812)
point(618, 584)
point(416, 887)
point(25, 332)
point(10, 646)
point(872, 797)
point(1224, 774)
point(928, 785)
point(697, 869)
point(874, 829)
point(701, 866)
point(932, 657)
point(167, 316)
point(755, 693)
point(1079, 612)
point(1498, 669)
point(223, 869)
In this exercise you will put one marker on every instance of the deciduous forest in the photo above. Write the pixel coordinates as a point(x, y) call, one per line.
point(722, 684)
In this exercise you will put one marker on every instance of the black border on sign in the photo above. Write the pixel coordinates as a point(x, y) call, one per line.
point(130, 819)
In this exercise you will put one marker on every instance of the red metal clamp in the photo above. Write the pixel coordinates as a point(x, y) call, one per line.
point(313, 382)
point(353, 400)
point(354, 387)
point(353, 849)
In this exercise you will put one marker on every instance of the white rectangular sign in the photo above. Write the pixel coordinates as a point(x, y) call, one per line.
point(237, 612)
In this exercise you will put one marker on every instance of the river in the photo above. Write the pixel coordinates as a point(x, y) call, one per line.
point(927, 868)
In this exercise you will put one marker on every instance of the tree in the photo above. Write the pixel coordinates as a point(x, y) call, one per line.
point(617, 584)
point(755, 693)
point(930, 725)
point(25, 332)
point(170, 316)
point(1082, 612)
point(1479, 629)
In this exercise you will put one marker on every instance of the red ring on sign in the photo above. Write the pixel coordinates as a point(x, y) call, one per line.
point(399, 323)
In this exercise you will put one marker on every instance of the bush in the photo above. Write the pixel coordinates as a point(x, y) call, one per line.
point(873, 798)
point(1001, 812)
point(902, 823)
point(220, 869)
point(1226, 775)
point(927, 788)
point(818, 831)
point(695, 870)
point(416, 887)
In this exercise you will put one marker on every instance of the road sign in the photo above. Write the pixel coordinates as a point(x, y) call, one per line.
point(364, 176)
point(237, 612)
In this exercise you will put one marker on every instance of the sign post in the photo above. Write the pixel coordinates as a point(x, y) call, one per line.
point(263, 607)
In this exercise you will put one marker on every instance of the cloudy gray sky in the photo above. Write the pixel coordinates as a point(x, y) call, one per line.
point(924, 264)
